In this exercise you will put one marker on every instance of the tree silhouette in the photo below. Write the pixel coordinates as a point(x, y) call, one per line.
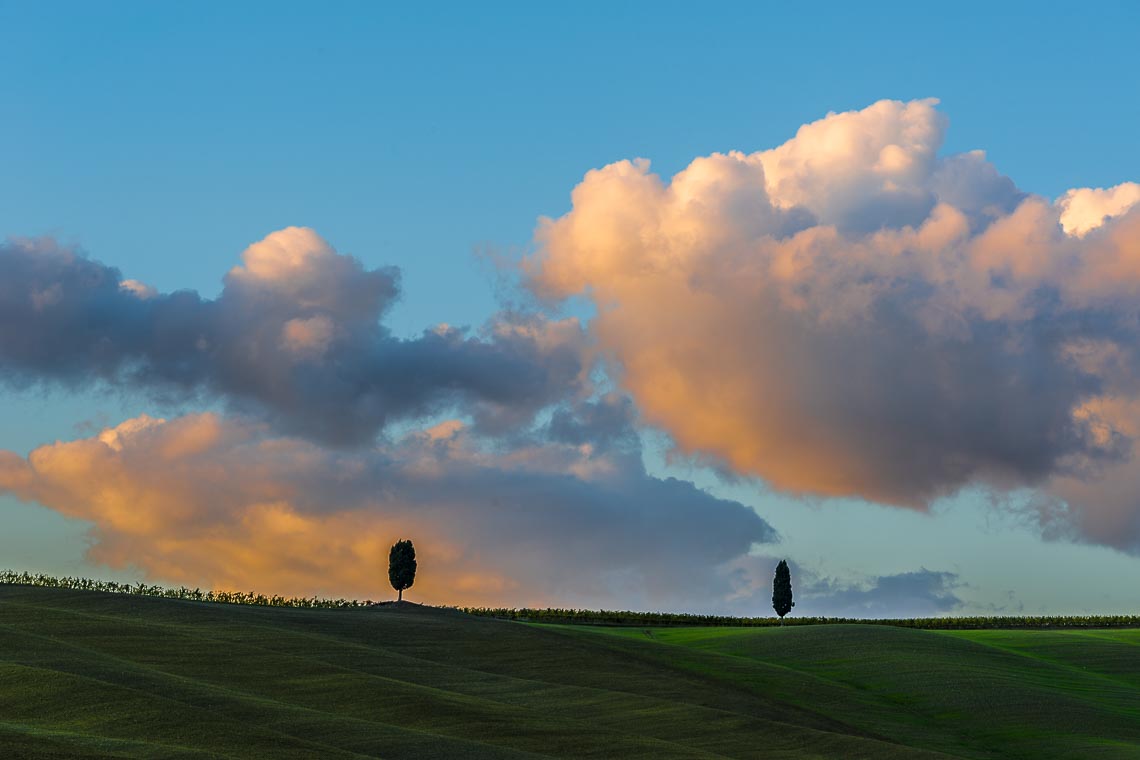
point(402, 566)
point(782, 590)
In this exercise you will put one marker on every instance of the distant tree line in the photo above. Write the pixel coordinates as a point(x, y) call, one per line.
point(573, 616)
point(630, 618)
point(10, 577)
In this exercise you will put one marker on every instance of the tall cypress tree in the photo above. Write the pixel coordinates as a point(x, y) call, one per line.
point(782, 590)
point(402, 566)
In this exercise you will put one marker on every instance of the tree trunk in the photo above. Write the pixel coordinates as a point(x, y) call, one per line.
point(400, 591)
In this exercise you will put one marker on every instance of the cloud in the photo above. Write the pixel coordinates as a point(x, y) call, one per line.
point(1087, 208)
point(295, 336)
point(224, 502)
point(852, 314)
point(919, 593)
point(849, 314)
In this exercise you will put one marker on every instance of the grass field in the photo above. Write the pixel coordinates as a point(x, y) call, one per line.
point(111, 675)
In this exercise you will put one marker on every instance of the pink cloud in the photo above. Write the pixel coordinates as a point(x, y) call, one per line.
point(851, 314)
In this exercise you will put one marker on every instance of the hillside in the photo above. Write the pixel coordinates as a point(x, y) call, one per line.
point(108, 675)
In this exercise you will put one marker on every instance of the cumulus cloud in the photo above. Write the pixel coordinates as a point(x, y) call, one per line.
point(1087, 208)
point(557, 515)
point(295, 335)
point(853, 314)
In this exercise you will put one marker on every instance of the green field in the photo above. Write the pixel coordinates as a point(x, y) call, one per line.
point(112, 675)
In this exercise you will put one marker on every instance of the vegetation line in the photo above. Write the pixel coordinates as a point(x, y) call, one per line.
point(10, 577)
point(664, 619)
point(574, 616)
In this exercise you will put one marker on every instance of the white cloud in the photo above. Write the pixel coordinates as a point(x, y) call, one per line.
point(1086, 208)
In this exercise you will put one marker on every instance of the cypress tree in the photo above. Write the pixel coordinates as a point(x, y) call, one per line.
point(782, 590)
point(402, 566)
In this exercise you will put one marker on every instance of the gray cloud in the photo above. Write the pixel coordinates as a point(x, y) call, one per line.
point(604, 423)
point(295, 336)
point(919, 593)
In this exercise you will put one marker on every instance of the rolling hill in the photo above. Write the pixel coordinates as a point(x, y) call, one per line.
point(111, 675)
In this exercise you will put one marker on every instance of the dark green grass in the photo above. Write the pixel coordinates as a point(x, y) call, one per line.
point(1024, 694)
point(107, 675)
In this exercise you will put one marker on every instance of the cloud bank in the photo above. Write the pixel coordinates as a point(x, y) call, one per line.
point(566, 513)
point(295, 337)
point(849, 314)
point(852, 314)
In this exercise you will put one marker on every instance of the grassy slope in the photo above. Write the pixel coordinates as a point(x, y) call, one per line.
point(1026, 694)
point(92, 674)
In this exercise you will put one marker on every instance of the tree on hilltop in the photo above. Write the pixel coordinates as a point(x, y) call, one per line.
point(782, 590)
point(402, 566)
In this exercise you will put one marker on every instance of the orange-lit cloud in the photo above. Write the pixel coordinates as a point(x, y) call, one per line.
point(566, 516)
point(851, 314)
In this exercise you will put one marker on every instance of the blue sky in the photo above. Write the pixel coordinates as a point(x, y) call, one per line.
point(164, 139)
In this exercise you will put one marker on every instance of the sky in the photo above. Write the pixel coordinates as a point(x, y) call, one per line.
point(602, 306)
